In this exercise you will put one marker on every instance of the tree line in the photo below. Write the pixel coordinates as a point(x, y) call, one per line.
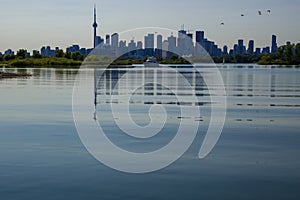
point(23, 54)
point(286, 55)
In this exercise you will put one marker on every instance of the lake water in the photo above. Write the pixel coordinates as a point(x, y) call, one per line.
point(256, 157)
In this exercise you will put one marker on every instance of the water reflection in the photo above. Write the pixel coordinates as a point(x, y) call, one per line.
point(259, 87)
point(152, 86)
point(260, 90)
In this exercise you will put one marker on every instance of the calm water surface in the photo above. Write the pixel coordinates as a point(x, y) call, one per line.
point(257, 156)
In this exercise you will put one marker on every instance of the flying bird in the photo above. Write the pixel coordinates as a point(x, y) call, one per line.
point(259, 12)
point(222, 24)
point(242, 15)
point(269, 11)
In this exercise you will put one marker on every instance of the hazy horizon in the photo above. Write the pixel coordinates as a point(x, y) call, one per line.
point(32, 24)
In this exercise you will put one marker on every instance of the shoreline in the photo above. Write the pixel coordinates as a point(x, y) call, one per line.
point(6, 75)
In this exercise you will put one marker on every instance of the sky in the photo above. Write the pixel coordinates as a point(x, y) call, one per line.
point(31, 24)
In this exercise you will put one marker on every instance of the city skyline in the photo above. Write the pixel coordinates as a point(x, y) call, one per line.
point(186, 44)
point(16, 35)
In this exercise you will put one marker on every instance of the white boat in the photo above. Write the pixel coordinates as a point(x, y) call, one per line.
point(151, 62)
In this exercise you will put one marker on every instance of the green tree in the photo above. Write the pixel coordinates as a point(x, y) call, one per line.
point(288, 53)
point(59, 54)
point(174, 57)
point(36, 54)
point(77, 56)
point(265, 59)
point(298, 53)
point(68, 55)
point(21, 53)
point(9, 57)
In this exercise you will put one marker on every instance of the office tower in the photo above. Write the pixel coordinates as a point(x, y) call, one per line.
point(240, 46)
point(181, 33)
point(115, 40)
point(172, 44)
point(98, 40)
point(132, 46)
point(159, 42)
point(266, 50)
point(182, 42)
point(122, 49)
point(73, 48)
point(225, 50)
point(199, 37)
point(214, 50)
point(209, 46)
point(165, 48)
point(250, 47)
point(83, 51)
point(140, 51)
point(139, 45)
point(107, 39)
point(114, 43)
point(149, 44)
point(235, 49)
point(149, 41)
point(199, 43)
point(43, 51)
point(219, 51)
point(189, 44)
point(274, 44)
point(257, 51)
point(95, 25)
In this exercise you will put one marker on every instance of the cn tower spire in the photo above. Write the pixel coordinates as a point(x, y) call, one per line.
point(95, 25)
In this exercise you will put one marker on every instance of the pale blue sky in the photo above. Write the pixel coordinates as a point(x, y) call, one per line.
point(32, 23)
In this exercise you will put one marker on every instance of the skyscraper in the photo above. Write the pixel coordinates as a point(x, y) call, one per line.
point(274, 44)
point(165, 48)
point(95, 25)
point(131, 46)
point(225, 50)
point(114, 43)
point(199, 37)
point(172, 44)
point(107, 39)
point(240, 49)
point(200, 42)
point(149, 44)
point(159, 41)
point(250, 47)
point(181, 42)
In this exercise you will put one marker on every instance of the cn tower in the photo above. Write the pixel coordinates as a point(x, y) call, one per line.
point(95, 25)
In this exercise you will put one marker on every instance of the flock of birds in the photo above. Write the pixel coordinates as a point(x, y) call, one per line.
point(243, 15)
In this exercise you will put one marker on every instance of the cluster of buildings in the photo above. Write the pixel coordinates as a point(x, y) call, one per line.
point(154, 45)
point(240, 48)
point(184, 44)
